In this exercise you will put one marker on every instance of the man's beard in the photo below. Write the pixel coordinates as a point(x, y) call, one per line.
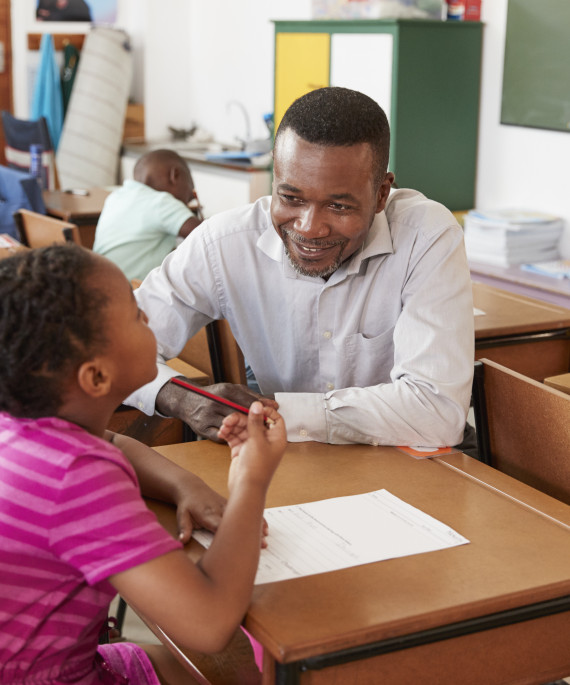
point(324, 272)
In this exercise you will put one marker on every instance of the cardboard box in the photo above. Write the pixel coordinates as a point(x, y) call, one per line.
point(561, 382)
point(134, 122)
point(472, 10)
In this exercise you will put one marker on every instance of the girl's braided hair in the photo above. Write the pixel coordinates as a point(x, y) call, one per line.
point(50, 322)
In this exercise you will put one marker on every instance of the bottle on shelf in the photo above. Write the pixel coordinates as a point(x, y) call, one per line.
point(455, 10)
point(36, 167)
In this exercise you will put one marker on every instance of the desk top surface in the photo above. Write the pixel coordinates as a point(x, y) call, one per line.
point(516, 275)
point(519, 551)
point(70, 207)
point(507, 313)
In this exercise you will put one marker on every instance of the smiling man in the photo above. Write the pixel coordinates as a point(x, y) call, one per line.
point(351, 301)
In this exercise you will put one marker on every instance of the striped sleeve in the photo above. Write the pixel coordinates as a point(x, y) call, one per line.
point(100, 524)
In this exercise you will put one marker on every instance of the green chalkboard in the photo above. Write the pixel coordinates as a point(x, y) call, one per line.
point(536, 76)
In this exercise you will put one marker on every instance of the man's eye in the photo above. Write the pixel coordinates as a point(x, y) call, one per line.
point(290, 198)
point(339, 208)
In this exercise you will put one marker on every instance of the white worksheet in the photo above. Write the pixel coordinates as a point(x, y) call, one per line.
point(332, 534)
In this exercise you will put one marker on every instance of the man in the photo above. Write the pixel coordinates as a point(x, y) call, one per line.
point(142, 220)
point(351, 302)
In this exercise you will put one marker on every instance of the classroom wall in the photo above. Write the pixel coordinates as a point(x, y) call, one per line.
point(131, 17)
point(195, 58)
point(517, 167)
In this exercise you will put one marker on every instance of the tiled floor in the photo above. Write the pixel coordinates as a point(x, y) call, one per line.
point(134, 630)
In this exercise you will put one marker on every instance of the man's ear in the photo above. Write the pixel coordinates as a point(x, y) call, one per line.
point(384, 191)
point(93, 378)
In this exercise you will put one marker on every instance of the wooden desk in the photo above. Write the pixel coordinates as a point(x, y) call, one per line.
point(14, 246)
point(521, 282)
point(494, 611)
point(82, 210)
point(521, 333)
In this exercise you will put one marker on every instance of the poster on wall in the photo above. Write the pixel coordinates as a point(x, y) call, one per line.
point(95, 11)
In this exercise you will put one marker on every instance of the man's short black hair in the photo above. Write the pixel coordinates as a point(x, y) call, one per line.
point(340, 117)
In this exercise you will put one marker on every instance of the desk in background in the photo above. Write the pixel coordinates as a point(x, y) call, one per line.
point(516, 280)
point(81, 210)
point(9, 246)
point(524, 334)
point(494, 611)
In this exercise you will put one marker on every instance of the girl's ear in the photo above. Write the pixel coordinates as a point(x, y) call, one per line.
point(93, 378)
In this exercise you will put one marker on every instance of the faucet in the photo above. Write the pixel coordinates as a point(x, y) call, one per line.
point(243, 141)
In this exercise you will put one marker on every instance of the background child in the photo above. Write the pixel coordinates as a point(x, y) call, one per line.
point(141, 220)
point(74, 530)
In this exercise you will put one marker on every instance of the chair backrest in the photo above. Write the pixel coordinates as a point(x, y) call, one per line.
point(214, 351)
point(19, 135)
point(523, 428)
point(38, 230)
point(18, 190)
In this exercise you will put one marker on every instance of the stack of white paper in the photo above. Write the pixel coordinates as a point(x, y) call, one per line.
point(507, 237)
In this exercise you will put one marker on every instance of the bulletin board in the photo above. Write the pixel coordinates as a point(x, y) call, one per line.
point(536, 75)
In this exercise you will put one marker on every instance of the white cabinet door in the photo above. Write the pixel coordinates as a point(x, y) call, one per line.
point(363, 61)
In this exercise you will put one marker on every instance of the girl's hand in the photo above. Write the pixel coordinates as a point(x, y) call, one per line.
point(197, 506)
point(256, 446)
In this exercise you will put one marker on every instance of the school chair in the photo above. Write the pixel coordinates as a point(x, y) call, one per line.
point(18, 190)
point(19, 134)
point(523, 428)
point(39, 230)
point(215, 351)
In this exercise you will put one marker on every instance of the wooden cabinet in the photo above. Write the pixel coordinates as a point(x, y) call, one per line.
point(425, 74)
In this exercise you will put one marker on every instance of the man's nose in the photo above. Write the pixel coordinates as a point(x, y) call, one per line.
point(311, 224)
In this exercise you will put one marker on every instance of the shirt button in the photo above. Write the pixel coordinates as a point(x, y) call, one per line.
point(330, 386)
point(303, 433)
point(327, 335)
point(140, 405)
point(374, 444)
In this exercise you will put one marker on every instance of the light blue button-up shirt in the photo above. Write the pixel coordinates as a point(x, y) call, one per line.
point(380, 353)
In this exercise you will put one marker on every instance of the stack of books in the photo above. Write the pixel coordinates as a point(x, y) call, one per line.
point(559, 268)
point(508, 237)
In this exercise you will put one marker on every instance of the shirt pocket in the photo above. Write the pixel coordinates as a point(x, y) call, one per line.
point(365, 361)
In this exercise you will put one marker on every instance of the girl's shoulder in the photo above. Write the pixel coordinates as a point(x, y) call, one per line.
point(50, 445)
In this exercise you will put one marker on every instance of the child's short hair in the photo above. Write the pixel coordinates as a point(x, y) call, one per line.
point(50, 322)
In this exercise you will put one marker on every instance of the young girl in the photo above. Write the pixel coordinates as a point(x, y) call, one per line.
point(74, 530)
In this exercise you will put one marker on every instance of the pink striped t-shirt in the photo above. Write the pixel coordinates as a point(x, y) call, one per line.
point(71, 515)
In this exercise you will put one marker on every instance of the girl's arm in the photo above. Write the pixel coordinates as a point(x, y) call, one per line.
point(197, 505)
point(199, 606)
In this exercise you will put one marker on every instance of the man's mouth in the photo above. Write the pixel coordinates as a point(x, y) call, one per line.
point(311, 249)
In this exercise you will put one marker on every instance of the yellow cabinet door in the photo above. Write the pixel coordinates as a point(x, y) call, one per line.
point(302, 63)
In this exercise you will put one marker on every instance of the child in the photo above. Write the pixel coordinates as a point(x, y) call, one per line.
point(74, 530)
point(142, 220)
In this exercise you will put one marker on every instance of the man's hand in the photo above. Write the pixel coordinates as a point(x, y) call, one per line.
point(202, 414)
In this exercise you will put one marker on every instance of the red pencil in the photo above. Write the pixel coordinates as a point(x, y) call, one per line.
point(205, 393)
